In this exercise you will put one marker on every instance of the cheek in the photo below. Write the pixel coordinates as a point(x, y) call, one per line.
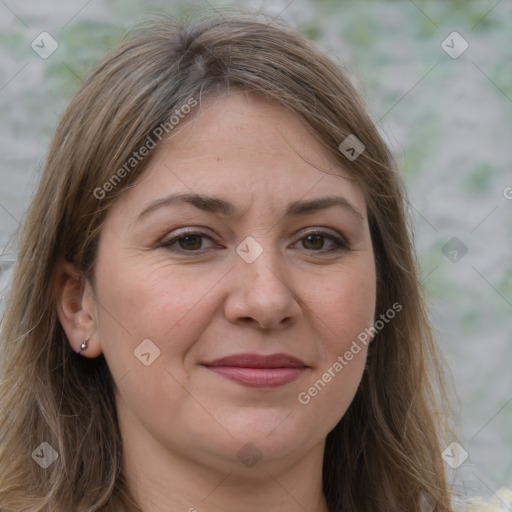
point(345, 306)
point(344, 309)
point(155, 301)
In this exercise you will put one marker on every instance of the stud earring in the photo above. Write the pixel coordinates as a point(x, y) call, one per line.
point(83, 346)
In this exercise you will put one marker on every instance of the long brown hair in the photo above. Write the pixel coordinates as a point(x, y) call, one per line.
point(385, 452)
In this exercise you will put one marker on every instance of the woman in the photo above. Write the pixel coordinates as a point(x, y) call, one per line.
point(215, 305)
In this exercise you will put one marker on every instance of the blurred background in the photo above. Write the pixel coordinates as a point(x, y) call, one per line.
point(437, 77)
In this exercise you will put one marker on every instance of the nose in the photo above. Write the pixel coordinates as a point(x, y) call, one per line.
point(262, 293)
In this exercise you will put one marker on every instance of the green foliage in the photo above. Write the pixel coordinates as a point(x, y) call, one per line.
point(479, 179)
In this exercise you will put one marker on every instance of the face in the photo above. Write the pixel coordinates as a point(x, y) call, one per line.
point(222, 317)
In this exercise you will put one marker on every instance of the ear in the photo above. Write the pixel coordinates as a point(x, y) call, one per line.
point(77, 309)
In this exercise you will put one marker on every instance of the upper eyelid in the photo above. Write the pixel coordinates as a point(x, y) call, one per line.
point(304, 231)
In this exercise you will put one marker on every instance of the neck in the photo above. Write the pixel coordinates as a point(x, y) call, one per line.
point(160, 481)
point(228, 496)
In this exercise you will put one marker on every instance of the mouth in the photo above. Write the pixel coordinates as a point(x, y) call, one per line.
point(259, 371)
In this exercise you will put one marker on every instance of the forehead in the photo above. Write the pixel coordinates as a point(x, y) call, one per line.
point(244, 148)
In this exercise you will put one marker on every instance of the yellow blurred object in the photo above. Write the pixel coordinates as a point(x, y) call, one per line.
point(500, 502)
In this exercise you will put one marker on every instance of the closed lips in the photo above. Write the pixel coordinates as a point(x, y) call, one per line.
point(258, 371)
point(258, 361)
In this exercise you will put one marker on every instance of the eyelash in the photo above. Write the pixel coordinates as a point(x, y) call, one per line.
point(339, 244)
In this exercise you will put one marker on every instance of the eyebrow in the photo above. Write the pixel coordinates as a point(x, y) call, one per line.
point(219, 206)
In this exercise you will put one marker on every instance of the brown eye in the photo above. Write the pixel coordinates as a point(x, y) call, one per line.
point(316, 242)
point(190, 242)
point(186, 242)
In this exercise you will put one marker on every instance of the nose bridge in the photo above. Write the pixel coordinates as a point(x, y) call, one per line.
point(259, 262)
point(261, 290)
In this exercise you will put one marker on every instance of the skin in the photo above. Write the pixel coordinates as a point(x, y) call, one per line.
point(182, 424)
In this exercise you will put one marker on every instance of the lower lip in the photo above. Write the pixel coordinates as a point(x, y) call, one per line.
point(258, 377)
